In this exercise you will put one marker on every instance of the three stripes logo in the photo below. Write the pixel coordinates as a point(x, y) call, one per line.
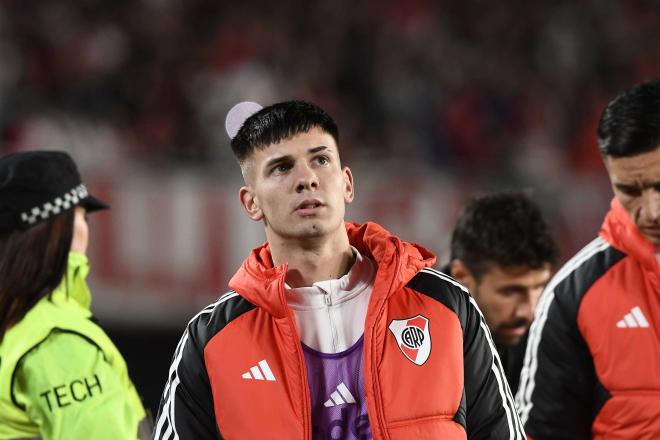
point(261, 371)
point(634, 319)
point(340, 396)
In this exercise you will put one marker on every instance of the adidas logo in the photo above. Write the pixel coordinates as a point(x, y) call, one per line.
point(340, 396)
point(633, 319)
point(261, 371)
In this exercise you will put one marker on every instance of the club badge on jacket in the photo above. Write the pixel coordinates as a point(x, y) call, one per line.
point(413, 338)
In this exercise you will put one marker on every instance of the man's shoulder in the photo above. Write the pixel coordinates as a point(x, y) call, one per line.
point(587, 266)
point(214, 317)
point(441, 287)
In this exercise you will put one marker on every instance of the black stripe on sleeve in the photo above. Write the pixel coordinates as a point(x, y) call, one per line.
point(489, 411)
point(187, 403)
point(560, 393)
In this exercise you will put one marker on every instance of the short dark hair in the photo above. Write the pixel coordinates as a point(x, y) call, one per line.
point(32, 264)
point(278, 122)
point(630, 124)
point(506, 229)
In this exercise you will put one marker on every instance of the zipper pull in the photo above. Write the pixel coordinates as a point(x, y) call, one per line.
point(328, 300)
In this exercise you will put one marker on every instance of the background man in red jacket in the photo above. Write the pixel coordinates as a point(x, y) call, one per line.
point(591, 365)
point(331, 329)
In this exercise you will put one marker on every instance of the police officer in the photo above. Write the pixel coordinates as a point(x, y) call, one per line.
point(60, 375)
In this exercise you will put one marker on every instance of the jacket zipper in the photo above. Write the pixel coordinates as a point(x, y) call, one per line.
point(328, 303)
point(380, 417)
point(307, 406)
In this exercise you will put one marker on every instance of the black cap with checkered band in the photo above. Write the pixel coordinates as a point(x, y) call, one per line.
point(37, 185)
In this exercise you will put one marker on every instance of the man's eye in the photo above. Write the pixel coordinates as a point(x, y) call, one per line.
point(507, 293)
point(281, 169)
point(630, 191)
point(322, 160)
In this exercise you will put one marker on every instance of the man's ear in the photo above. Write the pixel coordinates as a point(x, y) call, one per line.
point(461, 273)
point(250, 204)
point(348, 185)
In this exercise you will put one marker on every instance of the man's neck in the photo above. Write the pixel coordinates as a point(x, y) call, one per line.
point(323, 258)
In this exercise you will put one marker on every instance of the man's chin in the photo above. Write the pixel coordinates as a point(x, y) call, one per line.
point(509, 341)
point(317, 227)
point(310, 230)
point(307, 229)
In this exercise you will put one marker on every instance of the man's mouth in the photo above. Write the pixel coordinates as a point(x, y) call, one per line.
point(515, 330)
point(307, 207)
point(516, 327)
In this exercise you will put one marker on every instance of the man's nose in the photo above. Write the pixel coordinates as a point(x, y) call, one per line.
point(306, 179)
point(525, 309)
point(651, 206)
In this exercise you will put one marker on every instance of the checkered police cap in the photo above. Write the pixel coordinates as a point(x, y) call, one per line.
point(37, 185)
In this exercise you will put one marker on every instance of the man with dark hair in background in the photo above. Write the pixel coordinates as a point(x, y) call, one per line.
point(503, 251)
point(331, 329)
point(592, 366)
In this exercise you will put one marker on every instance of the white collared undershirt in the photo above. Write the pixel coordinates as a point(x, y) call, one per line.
point(330, 314)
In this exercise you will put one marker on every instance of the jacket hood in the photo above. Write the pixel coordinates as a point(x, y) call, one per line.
point(398, 261)
point(620, 231)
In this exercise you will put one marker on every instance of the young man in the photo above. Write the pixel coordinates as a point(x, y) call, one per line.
point(592, 362)
point(331, 329)
point(503, 251)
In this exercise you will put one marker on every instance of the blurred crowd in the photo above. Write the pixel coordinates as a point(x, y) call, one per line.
point(513, 87)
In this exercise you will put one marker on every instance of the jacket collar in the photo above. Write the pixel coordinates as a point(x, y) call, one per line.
point(73, 287)
point(398, 261)
point(360, 278)
point(620, 231)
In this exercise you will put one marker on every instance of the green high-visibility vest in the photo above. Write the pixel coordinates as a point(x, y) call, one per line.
point(61, 377)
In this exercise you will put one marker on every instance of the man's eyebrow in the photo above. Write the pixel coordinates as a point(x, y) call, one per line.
point(643, 186)
point(317, 149)
point(512, 285)
point(278, 160)
point(287, 157)
point(624, 185)
point(636, 183)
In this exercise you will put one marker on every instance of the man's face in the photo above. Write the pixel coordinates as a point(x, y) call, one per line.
point(298, 187)
point(636, 184)
point(507, 296)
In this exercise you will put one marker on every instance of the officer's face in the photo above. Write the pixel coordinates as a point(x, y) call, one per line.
point(80, 238)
